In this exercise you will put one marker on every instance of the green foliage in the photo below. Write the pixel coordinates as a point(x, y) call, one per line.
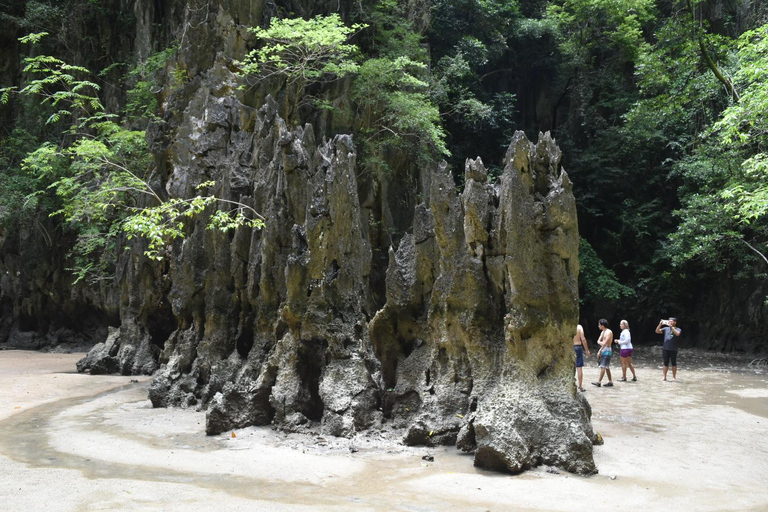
point(303, 51)
point(59, 85)
point(390, 90)
point(17, 188)
point(451, 88)
point(93, 175)
point(678, 92)
point(704, 233)
point(723, 219)
point(748, 192)
point(96, 178)
point(478, 29)
point(391, 28)
point(744, 127)
point(141, 101)
point(643, 90)
point(660, 109)
point(475, 66)
point(744, 124)
point(596, 282)
point(35, 16)
point(608, 25)
point(165, 222)
point(397, 110)
point(400, 121)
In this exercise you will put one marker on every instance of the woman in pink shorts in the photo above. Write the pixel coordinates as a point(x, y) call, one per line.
point(626, 351)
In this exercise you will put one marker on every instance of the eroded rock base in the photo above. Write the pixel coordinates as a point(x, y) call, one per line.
point(362, 301)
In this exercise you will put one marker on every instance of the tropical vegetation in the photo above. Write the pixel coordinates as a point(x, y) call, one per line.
point(660, 107)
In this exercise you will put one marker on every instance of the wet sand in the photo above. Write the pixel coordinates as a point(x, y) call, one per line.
point(83, 443)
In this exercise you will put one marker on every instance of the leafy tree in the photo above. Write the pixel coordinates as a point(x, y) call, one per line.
point(474, 72)
point(596, 28)
point(145, 77)
point(596, 282)
point(724, 217)
point(15, 185)
point(621, 190)
point(98, 173)
point(303, 52)
point(389, 90)
point(399, 115)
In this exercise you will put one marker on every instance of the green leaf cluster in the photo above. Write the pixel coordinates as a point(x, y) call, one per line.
point(61, 86)
point(724, 205)
point(161, 224)
point(585, 26)
point(96, 177)
point(390, 88)
point(303, 51)
point(147, 81)
point(596, 282)
point(398, 115)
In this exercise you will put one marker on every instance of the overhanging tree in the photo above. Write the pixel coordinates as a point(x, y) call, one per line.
point(98, 172)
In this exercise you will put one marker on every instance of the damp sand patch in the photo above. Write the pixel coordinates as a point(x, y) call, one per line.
point(111, 451)
point(749, 393)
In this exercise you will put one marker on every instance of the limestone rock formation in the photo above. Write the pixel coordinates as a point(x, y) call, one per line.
point(467, 341)
point(365, 301)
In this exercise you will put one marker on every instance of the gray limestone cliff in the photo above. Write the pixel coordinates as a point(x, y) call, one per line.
point(365, 300)
point(469, 343)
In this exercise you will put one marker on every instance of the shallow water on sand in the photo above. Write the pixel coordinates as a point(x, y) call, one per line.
point(695, 444)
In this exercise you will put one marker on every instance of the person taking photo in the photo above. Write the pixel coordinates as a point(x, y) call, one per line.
point(671, 332)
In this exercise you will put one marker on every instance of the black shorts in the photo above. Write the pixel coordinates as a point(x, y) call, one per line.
point(670, 356)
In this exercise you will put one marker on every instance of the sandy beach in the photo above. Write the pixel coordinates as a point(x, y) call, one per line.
point(74, 442)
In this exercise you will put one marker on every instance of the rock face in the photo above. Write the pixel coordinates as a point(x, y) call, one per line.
point(366, 300)
point(467, 342)
point(730, 314)
point(39, 306)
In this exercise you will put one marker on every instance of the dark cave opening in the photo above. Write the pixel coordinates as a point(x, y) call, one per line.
point(161, 323)
point(311, 360)
point(391, 358)
point(244, 342)
point(27, 323)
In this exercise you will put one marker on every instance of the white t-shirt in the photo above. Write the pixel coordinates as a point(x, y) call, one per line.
point(625, 340)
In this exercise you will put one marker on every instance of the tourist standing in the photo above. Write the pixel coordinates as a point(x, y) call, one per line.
point(604, 354)
point(579, 346)
point(626, 351)
point(671, 332)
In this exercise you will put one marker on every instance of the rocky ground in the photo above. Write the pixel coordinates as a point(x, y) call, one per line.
point(77, 442)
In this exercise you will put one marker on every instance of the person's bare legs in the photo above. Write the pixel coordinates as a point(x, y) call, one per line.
point(579, 377)
point(631, 367)
point(665, 373)
point(599, 379)
point(623, 368)
point(674, 373)
point(608, 373)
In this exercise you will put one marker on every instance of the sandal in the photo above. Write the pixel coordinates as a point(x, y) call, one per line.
point(596, 384)
point(634, 379)
point(623, 379)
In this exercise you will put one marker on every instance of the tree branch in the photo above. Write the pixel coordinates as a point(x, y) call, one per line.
point(754, 249)
point(711, 64)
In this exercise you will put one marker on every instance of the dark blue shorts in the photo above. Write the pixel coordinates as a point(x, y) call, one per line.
point(579, 355)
